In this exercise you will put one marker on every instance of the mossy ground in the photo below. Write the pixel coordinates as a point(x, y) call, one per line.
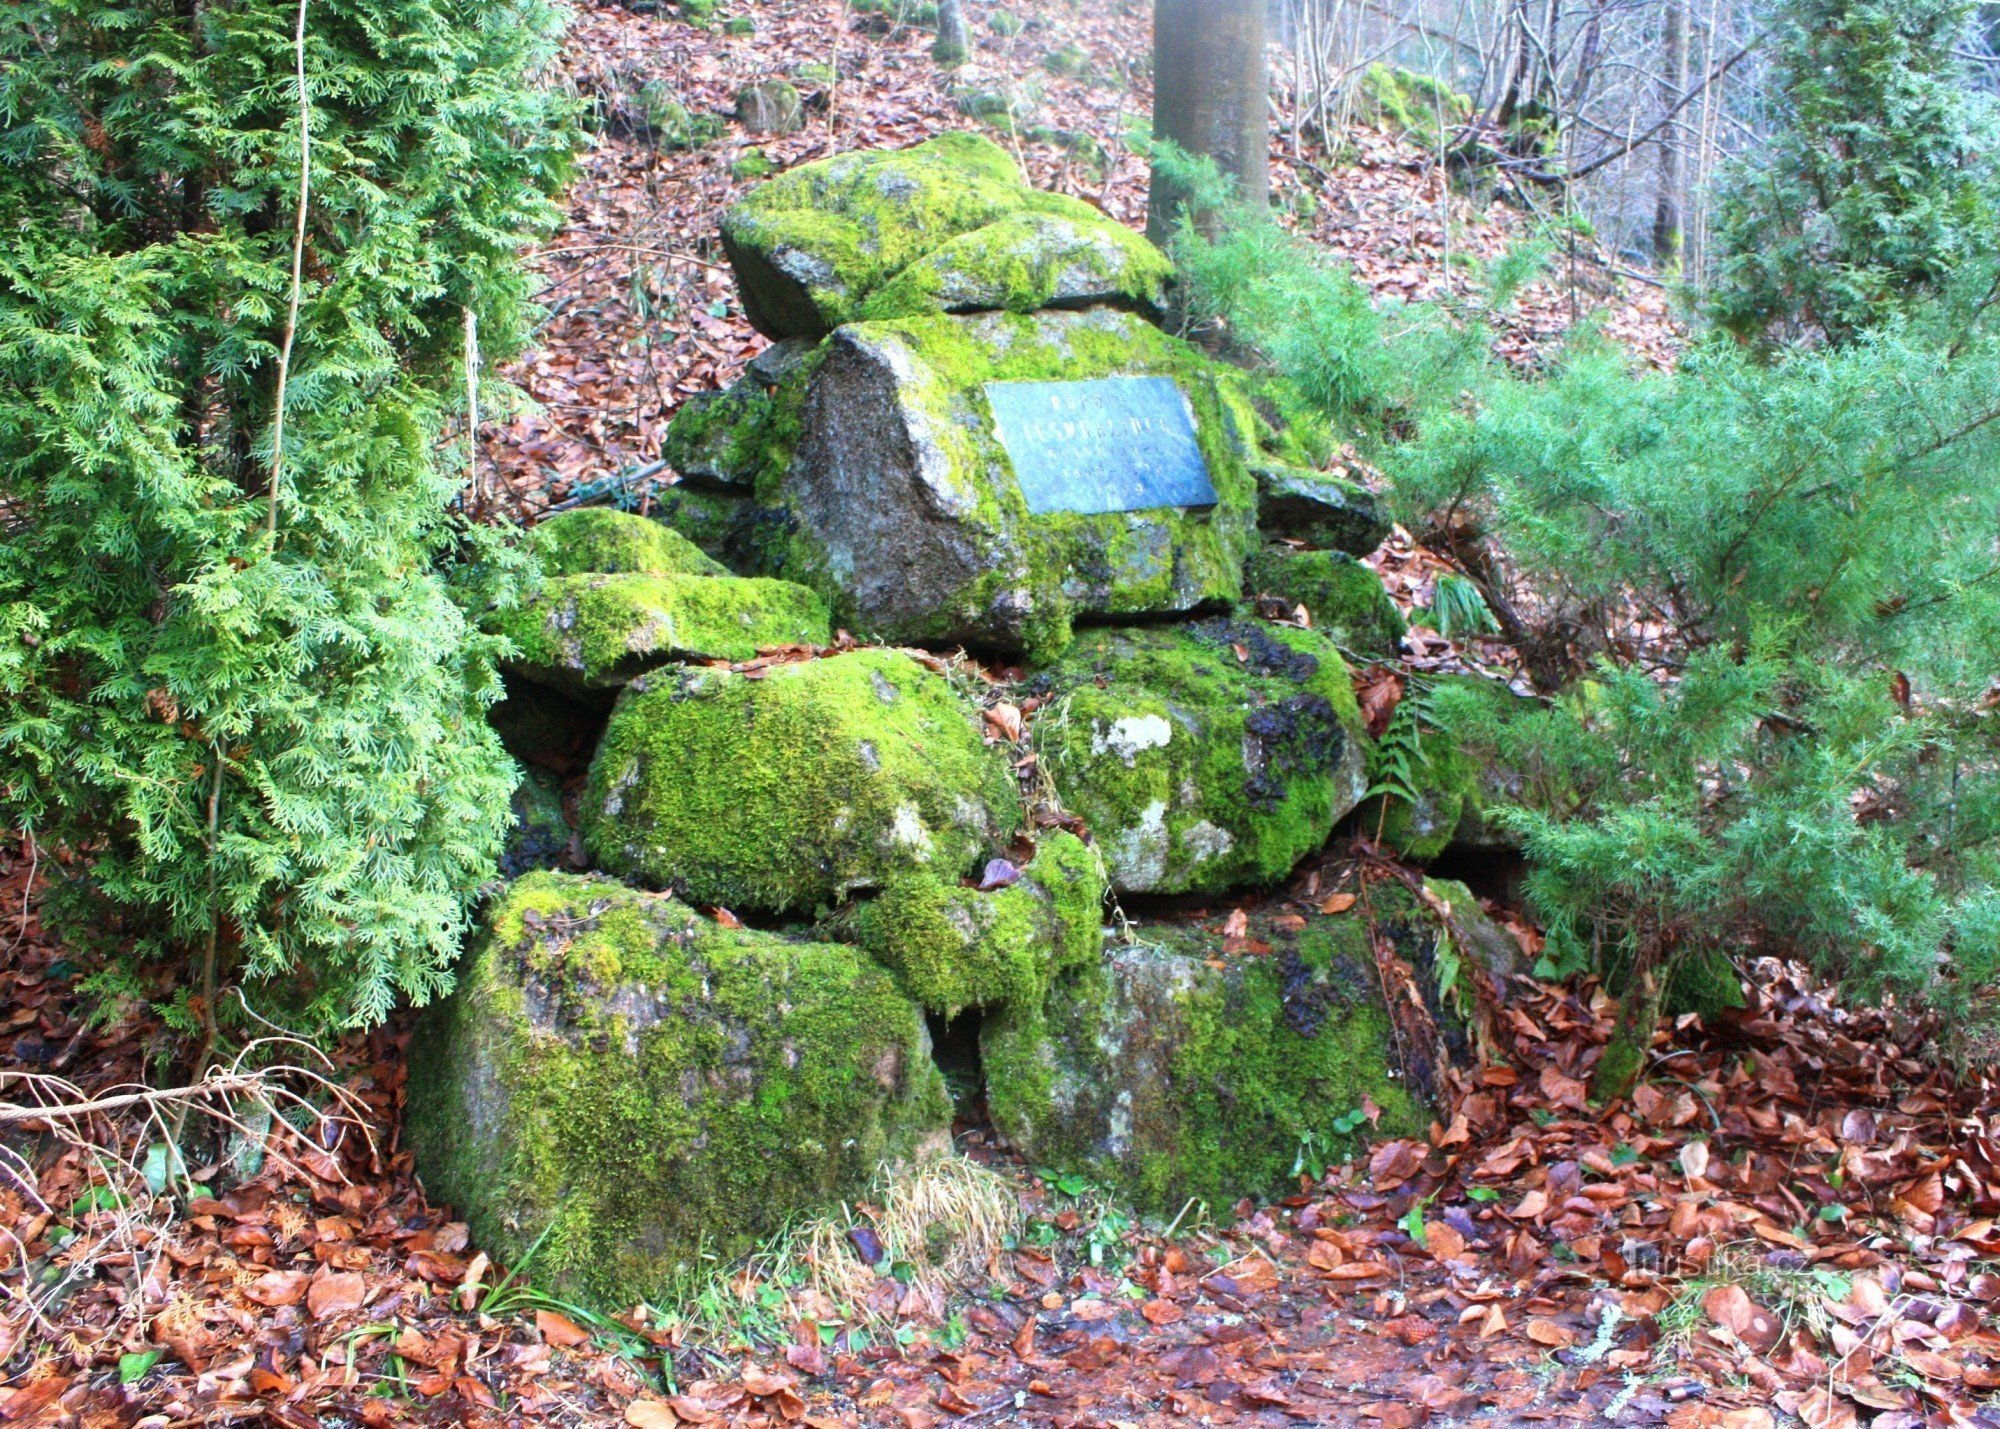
point(1170, 1073)
point(798, 788)
point(956, 947)
point(1197, 767)
point(632, 1088)
point(595, 632)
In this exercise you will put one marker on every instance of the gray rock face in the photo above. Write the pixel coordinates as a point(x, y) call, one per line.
point(1325, 510)
point(906, 511)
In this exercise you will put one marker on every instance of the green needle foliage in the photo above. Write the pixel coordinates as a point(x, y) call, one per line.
point(1765, 592)
point(1878, 183)
point(259, 755)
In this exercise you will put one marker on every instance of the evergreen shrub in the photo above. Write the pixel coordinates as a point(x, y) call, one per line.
point(238, 696)
point(1762, 592)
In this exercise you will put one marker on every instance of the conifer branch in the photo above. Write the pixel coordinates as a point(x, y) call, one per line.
point(298, 270)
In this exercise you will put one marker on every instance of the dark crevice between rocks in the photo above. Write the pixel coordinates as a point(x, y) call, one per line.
point(955, 1049)
point(1493, 873)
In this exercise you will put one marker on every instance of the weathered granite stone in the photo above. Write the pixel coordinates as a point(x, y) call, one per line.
point(627, 1090)
point(1205, 756)
point(798, 787)
point(1318, 508)
point(902, 506)
point(770, 106)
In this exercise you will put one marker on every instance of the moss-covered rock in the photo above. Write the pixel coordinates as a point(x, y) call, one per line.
point(1171, 1070)
point(809, 246)
point(1705, 983)
point(891, 233)
point(958, 947)
point(1408, 102)
point(1319, 508)
point(1064, 258)
point(1344, 598)
point(633, 1091)
point(797, 787)
point(592, 633)
point(901, 504)
point(769, 106)
point(597, 540)
point(1203, 756)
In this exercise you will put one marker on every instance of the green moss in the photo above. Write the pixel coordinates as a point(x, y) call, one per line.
point(1707, 984)
point(751, 164)
point(1172, 1071)
point(1064, 251)
point(822, 777)
point(584, 633)
point(740, 25)
point(643, 1091)
point(1197, 767)
point(599, 540)
point(1446, 786)
point(849, 223)
point(957, 947)
point(1408, 102)
point(1004, 23)
point(1344, 598)
point(1069, 60)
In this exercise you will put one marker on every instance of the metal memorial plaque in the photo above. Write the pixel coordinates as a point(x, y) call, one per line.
point(1109, 444)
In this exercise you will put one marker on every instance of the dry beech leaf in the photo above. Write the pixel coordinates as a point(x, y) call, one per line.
point(559, 1330)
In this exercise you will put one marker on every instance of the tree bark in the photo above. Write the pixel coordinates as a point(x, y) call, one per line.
point(1209, 97)
point(952, 47)
point(1673, 84)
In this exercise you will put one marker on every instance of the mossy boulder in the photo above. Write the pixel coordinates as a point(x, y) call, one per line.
point(597, 540)
point(1203, 756)
point(813, 246)
point(957, 947)
point(1459, 781)
point(1318, 508)
point(770, 106)
point(723, 441)
point(1174, 1070)
point(1066, 258)
point(901, 505)
point(1344, 598)
point(797, 785)
point(809, 246)
point(633, 1092)
point(587, 634)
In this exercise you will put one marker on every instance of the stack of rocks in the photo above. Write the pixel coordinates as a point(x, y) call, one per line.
point(969, 432)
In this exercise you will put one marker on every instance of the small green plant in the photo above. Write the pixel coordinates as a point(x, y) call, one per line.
point(1458, 609)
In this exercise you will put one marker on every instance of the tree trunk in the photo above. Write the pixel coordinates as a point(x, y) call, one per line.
point(952, 47)
point(1209, 97)
point(1625, 1055)
point(1673, 84)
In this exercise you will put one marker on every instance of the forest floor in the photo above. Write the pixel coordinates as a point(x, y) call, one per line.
point(1792, 1220)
